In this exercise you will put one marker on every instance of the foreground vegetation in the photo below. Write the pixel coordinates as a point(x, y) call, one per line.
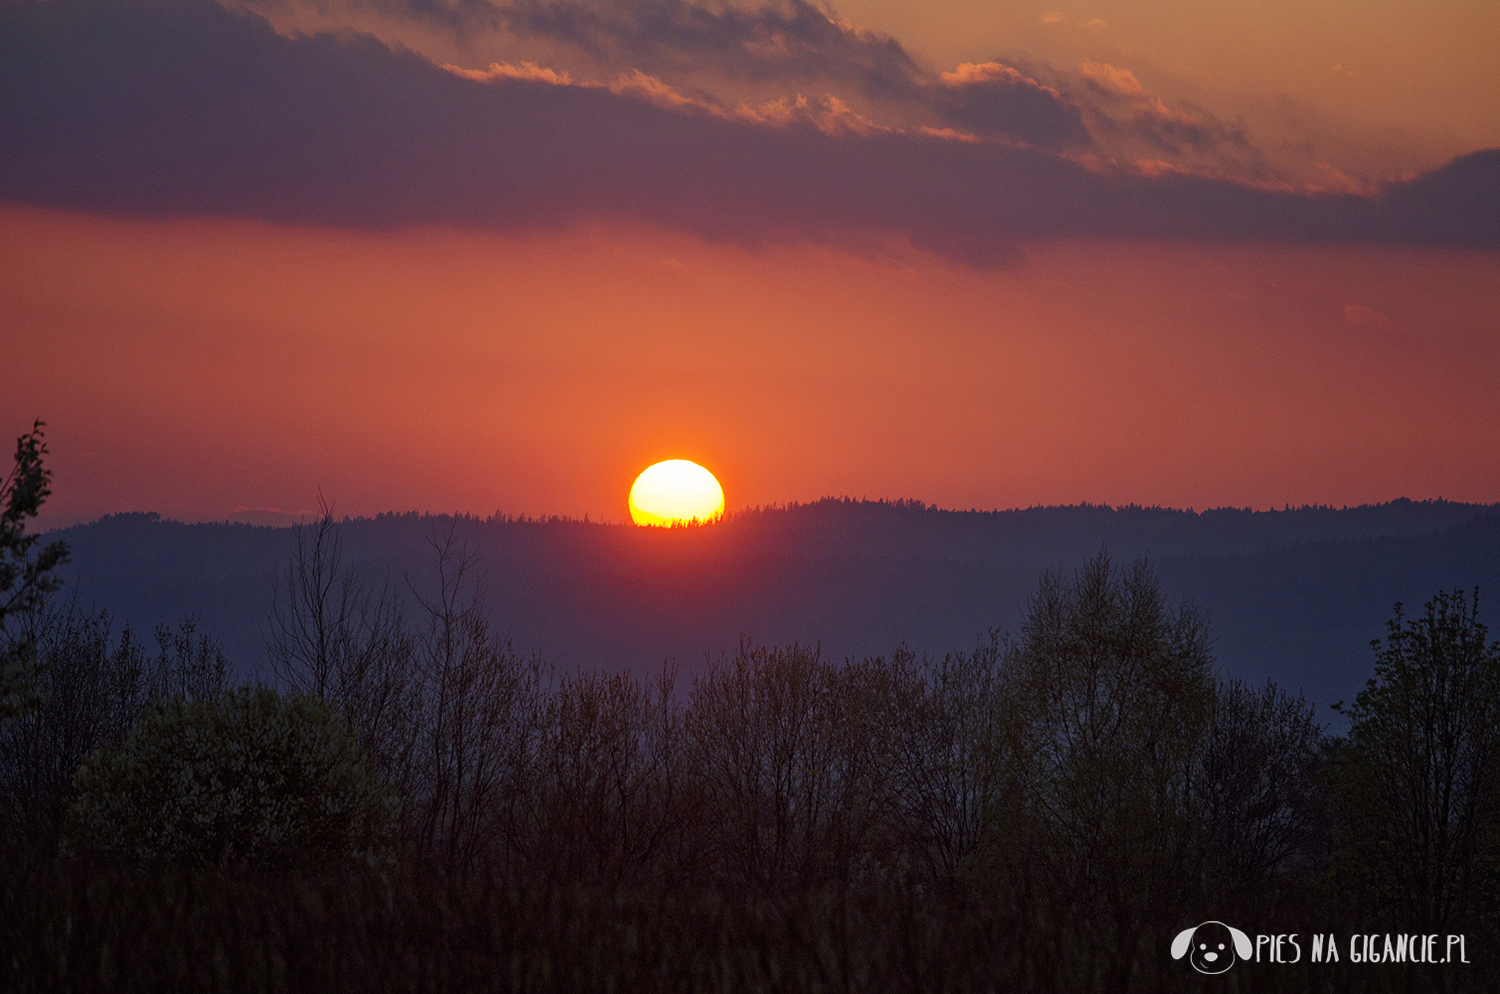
point(418, 807)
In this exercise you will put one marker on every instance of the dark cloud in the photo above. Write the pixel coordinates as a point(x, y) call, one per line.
point(1458, 204)
point(781, 40)
point(790, 39)
point(794, 44)
point(183, 108)
point(994, 99)
point(787, 42)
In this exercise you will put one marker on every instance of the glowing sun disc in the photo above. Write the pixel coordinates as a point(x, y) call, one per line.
point(675, 492)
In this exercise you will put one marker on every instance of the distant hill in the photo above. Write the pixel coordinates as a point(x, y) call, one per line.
point(1295, 595)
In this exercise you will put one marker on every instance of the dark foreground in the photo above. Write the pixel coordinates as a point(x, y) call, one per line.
point(418, 808)
point(88, 929)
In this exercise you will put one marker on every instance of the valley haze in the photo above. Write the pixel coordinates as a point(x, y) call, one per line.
point(1294, 595)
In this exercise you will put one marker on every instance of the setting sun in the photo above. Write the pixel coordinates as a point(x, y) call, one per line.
point(675, 492)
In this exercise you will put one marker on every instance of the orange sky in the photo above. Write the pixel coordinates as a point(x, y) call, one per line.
point(1368, 84)
point(202, 368)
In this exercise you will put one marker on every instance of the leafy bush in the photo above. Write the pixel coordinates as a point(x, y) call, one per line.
point(250, 777)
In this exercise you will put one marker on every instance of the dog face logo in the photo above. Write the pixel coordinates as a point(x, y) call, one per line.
point(1212, 946)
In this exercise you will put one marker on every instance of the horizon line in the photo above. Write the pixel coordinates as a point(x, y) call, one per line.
point(899, 505)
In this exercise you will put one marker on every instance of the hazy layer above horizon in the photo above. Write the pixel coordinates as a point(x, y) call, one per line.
point(1294, 595)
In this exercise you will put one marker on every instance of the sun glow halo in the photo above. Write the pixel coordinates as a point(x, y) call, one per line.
point(675, 492)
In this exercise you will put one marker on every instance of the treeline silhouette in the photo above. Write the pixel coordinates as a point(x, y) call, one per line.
point(1294, 595)
point(1044, 811)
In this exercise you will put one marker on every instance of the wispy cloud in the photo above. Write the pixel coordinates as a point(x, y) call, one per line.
point(1179, 137)
point(505, 70)
point(1095, 24)
point(1366, 317)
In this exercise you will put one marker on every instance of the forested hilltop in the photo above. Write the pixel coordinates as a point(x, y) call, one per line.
point(1295, 594)
point(1082, 800)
